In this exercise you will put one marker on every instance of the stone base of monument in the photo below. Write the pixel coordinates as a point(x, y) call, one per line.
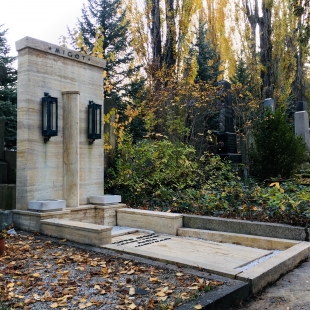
point(233, 157)
point(105, 199)
point(30, 220)
point(77, 231)
point(46, 205)
point(227, 147)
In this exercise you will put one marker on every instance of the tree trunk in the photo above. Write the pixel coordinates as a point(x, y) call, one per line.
point(267, 73)
point(170, 45)
point(155, 33)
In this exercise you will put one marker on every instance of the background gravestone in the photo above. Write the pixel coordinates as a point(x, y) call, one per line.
point(66, 167)
point(226, 137)
point(301, 120)
point(269, 103)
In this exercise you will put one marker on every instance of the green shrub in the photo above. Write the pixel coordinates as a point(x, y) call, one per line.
point(277, 150)
point(145, 169)
point(164, 175)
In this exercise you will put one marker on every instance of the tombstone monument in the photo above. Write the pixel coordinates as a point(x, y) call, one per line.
point(301, 119)
point(62, 166)
point(226, 137)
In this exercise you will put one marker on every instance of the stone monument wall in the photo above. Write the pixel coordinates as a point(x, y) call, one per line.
point(74, 78)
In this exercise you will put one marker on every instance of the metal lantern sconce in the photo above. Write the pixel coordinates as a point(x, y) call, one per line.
point(94, 121)
point(49, 117)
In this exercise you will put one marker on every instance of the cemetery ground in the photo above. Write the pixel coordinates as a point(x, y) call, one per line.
point(38, 272)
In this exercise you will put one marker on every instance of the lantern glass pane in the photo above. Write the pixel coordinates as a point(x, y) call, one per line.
point(90, 120)
point(98, 121)
point(44, 115)
point(53, 116)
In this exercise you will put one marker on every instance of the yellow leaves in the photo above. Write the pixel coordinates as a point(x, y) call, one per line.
point(198, 307)
point(277, 185)
point(84, 306)
point(132, 306)
point(161, 294)
point(54, 305)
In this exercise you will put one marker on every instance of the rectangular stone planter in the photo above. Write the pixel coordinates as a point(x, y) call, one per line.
point(162, 222)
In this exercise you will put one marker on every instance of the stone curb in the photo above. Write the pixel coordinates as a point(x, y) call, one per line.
point(263, 229)
point(219, 299)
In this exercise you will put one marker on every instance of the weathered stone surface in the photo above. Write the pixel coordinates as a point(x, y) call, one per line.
point(71, 148)
point(86, 233)
point(241, 239)
point(270, 270)
point(163, 222)
point(44, 67)
point(7, 196)
point(105, 199)
point(6, 219)
point(106, 215)
point(3, 173)
point(244, 227)
point(301, 120)
point(31, 220)
point(46, 205)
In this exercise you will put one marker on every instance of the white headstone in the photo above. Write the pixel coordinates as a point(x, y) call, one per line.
point(302, 127)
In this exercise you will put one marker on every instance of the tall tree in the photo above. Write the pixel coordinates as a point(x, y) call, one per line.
point(8, 98)
point(109, 17)
point(301, 10)
point(207, 55)
point(265, 31)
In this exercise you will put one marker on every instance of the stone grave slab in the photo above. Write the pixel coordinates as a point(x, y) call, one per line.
point(257, 266)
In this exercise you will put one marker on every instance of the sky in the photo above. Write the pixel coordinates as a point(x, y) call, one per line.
point(45, 20)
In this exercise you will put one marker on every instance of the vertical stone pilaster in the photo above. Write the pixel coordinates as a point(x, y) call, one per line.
point(71, 153)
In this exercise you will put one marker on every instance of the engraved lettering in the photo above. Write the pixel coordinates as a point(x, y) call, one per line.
point(69, 54)
point(83, 57)
point(77, 56)
point(89, 59)
point(57, 50)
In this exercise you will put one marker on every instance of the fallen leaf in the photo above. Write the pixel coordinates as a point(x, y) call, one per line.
point(132, 291)
point(161, 294)
point(198, 307)
point(54, 305)
point(179, 274)
point(132, 306)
